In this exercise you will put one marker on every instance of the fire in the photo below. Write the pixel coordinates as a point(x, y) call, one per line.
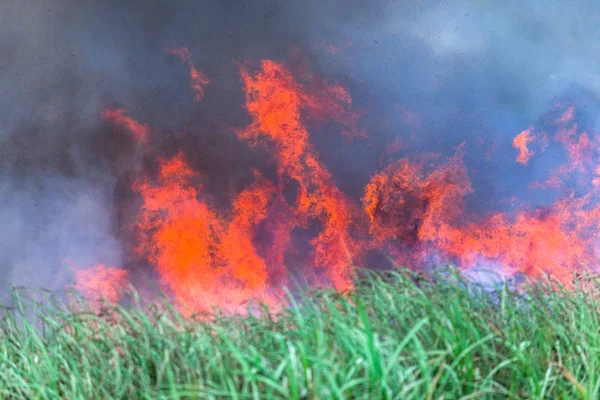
point(414, 209)
point(238, 250)
point(520, 143)
point(411, 208)
point(208, 256)
point(278, 103)
point(206, 259)
point(198, 80)
point(424, 215)
point(567, 116)
point(101, 282)
point(596, 179)
point(117, 117)
point(537, 244)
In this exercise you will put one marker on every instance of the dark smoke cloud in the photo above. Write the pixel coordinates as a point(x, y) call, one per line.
point(474, 71)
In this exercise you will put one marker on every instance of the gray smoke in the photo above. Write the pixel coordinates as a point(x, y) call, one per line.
point(52, 226)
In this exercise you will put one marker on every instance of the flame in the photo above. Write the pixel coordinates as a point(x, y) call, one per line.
point(183, 53)
point(414, 209)
point(580, 148)
point(205, 258)
point(117, 116)
point(567, 116)
point(520, 143)
point(331, 48)
point(101, 282)
point(198, 80)
point(555, 242)
point(278, 103)
point(410, 207)
point(238, 250)
point(596, 178)
point(427, 213)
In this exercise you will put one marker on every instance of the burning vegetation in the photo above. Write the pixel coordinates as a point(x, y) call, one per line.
point(299, 200)
point(415, 209)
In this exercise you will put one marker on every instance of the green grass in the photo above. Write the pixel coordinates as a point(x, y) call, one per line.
point(391, 339)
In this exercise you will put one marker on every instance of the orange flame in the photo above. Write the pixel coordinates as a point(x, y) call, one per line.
point(426, 213)
point(277, 103)
point(198, 80)
point(567, 116)
point(211, 256)
point(406, 205)
point(117, 117)
point(520, 143)
point(204, 258)
point(101, 282)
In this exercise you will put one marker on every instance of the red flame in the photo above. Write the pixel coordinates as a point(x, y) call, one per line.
point(412, 208)
point(276, 101)
point(118, 117)
point(197, 78)
point(520, 143)
point(557, 241)
point(567, 115)
point(101, 282)
point(205, 258)
point(415, 210)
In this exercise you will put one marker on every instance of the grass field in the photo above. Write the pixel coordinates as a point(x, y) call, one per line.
point(391, 339)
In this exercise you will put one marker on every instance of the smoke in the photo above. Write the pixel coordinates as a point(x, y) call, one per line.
point(441, 73)
point(51, 226)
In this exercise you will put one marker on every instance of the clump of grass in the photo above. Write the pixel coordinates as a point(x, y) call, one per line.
point(392, 338)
